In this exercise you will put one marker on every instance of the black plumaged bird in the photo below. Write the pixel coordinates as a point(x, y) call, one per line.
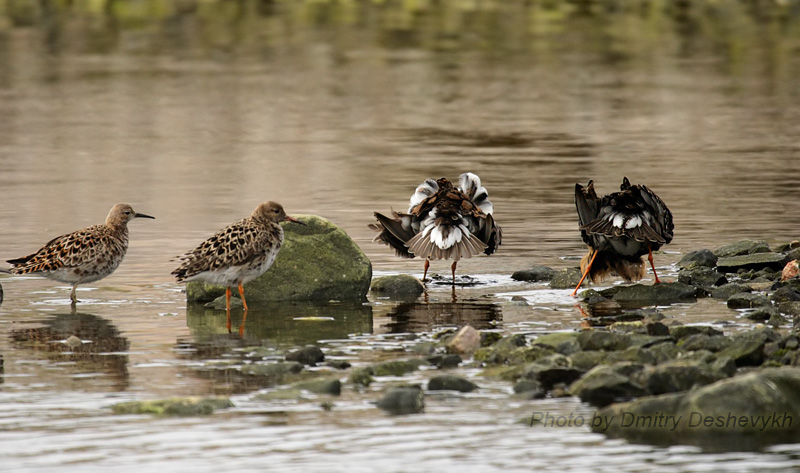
point(442, 222)
point(620, 228)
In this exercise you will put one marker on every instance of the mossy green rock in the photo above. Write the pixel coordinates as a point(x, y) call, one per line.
point(756, 261)
point(179, 407)
point(742, 247)
point(401, 400)
point(663, 293)
point(318, 261)
point(567, 278)
point(320, 386)
point(741, 412)
point(451, 383)
point(399, 285)
point(396, 368)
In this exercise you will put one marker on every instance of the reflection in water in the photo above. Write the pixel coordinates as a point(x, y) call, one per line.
point(88, 344)
point(418, 317)
point(271, 327)
point(282, 323)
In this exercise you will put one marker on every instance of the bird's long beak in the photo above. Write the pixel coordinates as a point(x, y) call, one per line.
point(292, 219)
point(138, 215)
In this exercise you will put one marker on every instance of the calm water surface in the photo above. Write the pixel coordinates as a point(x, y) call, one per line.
point(195, 114)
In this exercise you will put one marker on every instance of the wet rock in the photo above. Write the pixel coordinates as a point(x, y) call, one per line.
point(643, 356)
point(646, 341)
point(465, 341)
point(755, 407)
point(500, 351)
point(318, 261)
point(743, 247)
point(552, 370)
point(663, 293)
point(664, 352)
point(396, 367)
point(606, 384)
point(764, 313)
point(565, 343)
point(790, 308)
point(397, 286)
point(310, 355)
point(402, 400)
point(490, 338)
point(588, 359)
point(271, 369)
point(726, 291)
point(445, 361)
point(792, 245)
point(701, 276)
point(178, 407)
point(602, 340)
point(747, 300)
point(451, 383)
point(338, 364)
point(698, 258)
point(678, 375)
point(747, 348)
point(701, 341)
point(757, 261)
point(530, 389)
point(320, 386)
point(785, 294)
point(536, 273)
point(424, 348)
point(361, 376)
point(641, 327)
point(284, 394)
point(679, 332)
point(567, 278)
point(530, 354)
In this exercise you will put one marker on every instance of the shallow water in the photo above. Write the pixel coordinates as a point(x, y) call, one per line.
point(194, 114)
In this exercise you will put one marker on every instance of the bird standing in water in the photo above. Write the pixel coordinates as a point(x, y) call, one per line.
point(620, 228)
point(237, 254)
point(83, 256)
point(443, 222)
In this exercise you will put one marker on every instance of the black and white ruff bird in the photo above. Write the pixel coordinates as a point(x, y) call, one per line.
point(442, 222)
point(620, 228)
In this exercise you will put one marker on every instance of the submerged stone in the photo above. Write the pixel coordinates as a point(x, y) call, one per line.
point(451, 383)
point(698, 258)
point(179, 407)
point(402, 400)
point(361, 376)
point(317, 261)
point(445, 361)
point(397, 286)
point(536, 273)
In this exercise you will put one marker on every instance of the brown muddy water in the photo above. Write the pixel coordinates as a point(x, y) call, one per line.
point(195, 111)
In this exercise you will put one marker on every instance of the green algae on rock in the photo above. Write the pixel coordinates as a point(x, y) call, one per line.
point(178, 407)
point(318, 261)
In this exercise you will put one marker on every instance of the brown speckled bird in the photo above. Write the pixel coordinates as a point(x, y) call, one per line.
point(83, 256)
point(443, 222)
point(620, 228)
point(238, 253)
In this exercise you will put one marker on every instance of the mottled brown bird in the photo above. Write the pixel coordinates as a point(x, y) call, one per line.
point(238, 253)
point(442, 222)
point(620, 228)
point(84, 256)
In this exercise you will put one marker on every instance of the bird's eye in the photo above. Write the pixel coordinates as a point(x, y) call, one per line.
point(275, 211)
point(127, 212)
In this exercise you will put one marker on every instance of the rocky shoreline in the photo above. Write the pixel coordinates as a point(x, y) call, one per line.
point(651, 378)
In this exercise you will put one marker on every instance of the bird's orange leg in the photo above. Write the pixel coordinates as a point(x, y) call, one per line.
point(650, 259)
point(228, 306)
point(453, 267)
point(588, 267)
point(241, 294)
point(425, 274)
point(244, 316)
